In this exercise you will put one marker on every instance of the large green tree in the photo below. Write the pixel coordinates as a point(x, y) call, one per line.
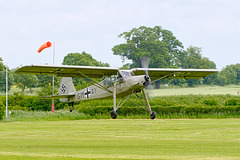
point(163, 49)
point(82, 59)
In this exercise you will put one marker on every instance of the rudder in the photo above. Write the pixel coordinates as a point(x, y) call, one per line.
point(66, 86)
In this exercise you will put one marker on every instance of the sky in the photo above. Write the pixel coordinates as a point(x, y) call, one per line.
point(93, 26)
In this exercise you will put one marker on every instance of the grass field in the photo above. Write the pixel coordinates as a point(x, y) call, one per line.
point(121, 139)
point(203, 90)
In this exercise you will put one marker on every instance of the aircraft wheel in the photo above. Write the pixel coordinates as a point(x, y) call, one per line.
point(114, 114)
point(71, 109)
point(153, 115)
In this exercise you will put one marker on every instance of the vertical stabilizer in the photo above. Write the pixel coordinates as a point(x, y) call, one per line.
point(66, 86)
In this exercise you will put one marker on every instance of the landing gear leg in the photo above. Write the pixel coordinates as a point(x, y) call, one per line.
point(71, 109)
point(152, 113)
point(114, 113)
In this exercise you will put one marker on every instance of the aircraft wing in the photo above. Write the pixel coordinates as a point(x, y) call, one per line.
point(69, 71)
point(161, 73)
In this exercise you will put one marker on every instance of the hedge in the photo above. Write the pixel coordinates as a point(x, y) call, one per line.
point(187, 106)
point(33, 103)
point(180, 111)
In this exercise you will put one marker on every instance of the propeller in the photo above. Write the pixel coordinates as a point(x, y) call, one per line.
point(145, 64)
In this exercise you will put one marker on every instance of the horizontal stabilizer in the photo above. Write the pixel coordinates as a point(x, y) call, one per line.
point(58, 96)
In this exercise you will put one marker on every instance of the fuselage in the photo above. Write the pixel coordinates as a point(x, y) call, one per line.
point(126, 83)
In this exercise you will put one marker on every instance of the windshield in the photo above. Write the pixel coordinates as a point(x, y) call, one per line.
point(126, 74)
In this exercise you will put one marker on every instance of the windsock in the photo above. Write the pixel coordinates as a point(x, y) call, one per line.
point(45, 45)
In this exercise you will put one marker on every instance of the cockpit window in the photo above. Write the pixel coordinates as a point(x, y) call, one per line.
point(126, 74)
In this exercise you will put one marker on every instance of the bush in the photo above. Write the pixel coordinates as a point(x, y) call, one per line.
point(211, 102)
point(232, 102)
point(20, 101)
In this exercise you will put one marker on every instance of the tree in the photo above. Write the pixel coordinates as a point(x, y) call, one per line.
point(220, 80)
point(231, 74)
point(82, 59)
point(163, 49)
point(24, 81)
point(158, 44)
point(193, 59)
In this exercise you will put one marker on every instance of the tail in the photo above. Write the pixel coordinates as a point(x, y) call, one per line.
point(66, 86)
point(67, 90)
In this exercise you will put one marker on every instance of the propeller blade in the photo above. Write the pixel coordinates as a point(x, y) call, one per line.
point(145, 64)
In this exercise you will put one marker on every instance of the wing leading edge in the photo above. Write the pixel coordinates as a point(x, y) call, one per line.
point(69, 71)
point(156, 73)
point(98, 72)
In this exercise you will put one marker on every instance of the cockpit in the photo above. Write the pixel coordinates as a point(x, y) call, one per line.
point(122, 76)
point(126, 74)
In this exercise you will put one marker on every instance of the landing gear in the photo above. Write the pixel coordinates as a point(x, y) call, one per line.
point(153, 115)
point(120, 103)
point(114, 114)
point(71, 109)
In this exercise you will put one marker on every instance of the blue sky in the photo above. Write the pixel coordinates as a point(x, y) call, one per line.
point(94, 25)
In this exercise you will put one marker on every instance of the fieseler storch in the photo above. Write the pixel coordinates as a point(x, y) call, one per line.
point(117, 83)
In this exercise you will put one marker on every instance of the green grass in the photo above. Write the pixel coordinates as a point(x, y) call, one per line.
point(203, 90)
point(121, 139)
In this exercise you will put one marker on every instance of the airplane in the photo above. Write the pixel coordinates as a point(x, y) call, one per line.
point(117, 83)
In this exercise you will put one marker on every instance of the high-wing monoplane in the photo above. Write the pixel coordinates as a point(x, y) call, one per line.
point(117, 83)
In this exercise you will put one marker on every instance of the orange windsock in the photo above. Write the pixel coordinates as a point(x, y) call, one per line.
point(45, 45)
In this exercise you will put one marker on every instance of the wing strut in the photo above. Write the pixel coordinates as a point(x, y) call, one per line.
point(96, 83)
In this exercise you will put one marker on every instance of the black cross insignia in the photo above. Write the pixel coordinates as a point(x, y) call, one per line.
point(87, 93)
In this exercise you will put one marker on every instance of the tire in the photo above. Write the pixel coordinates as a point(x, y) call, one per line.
point(114, 114)
point(153, 115)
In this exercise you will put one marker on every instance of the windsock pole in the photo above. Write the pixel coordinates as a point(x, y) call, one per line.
point(53, 104)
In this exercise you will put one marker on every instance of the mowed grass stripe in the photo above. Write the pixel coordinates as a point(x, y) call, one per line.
point(121, 139)
point(201, 90)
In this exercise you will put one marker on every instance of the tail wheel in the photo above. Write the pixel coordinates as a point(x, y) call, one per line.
point(114, 114)
point(153, 115)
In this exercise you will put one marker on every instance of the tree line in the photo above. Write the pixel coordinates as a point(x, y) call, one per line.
point(160, 45)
